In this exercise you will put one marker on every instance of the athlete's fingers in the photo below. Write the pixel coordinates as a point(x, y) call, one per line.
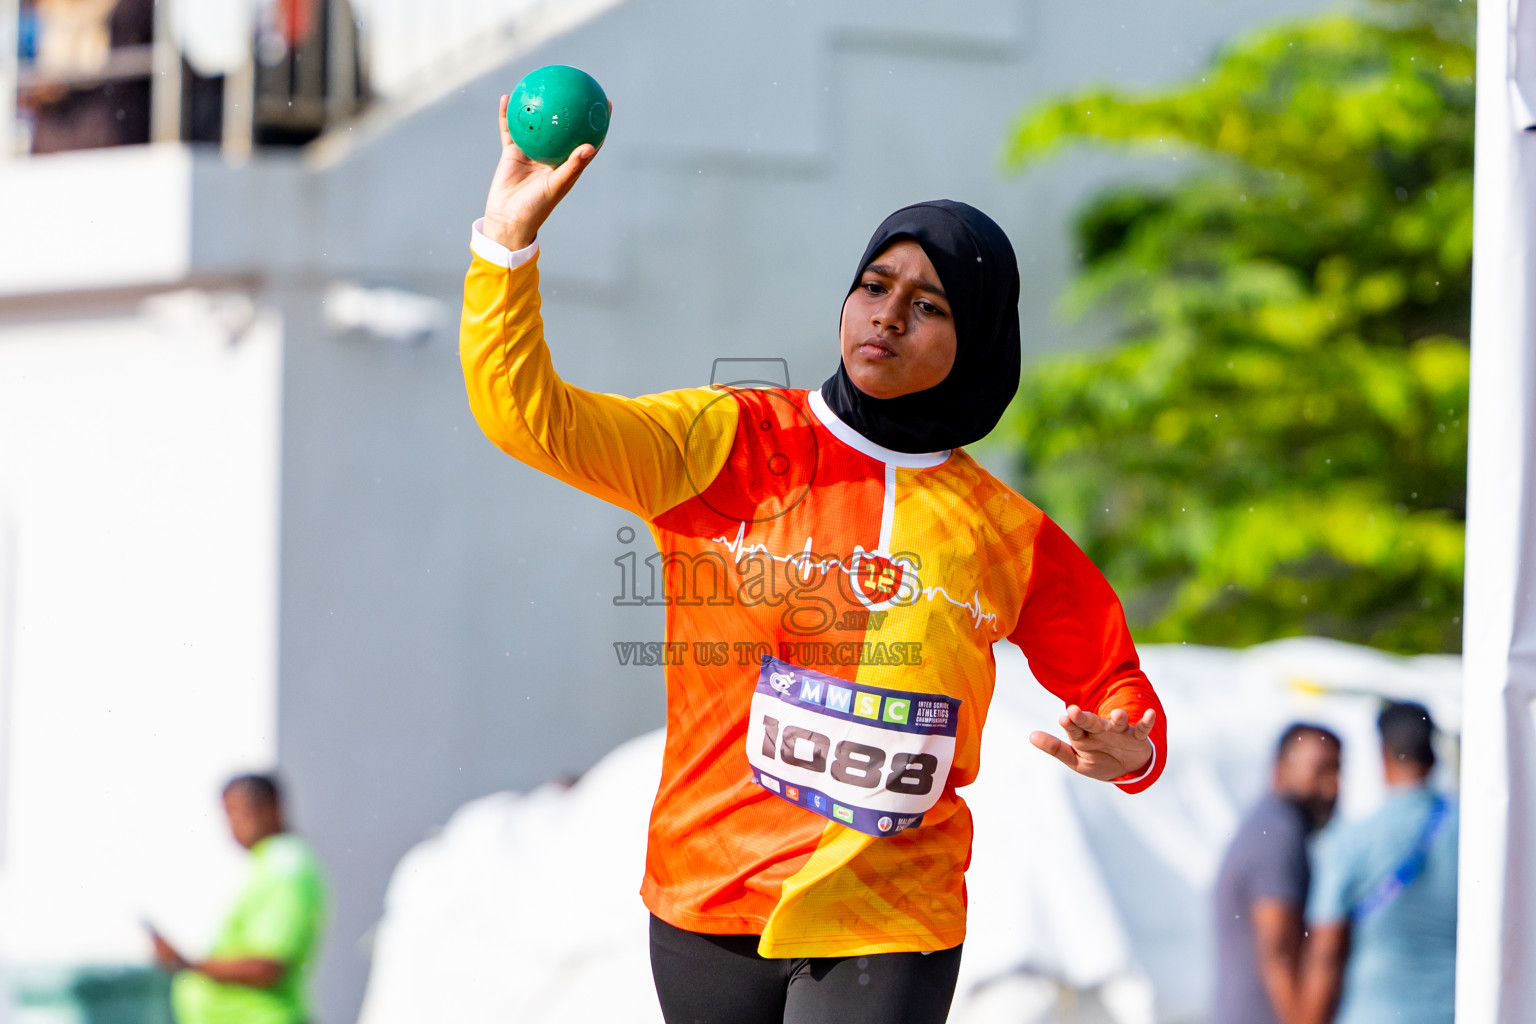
point(501, 120)
point(1075, 734)
point(1062, 752)
point(1144, 727)
point(1086, 720)
point(563, 177)
point(1119, 721)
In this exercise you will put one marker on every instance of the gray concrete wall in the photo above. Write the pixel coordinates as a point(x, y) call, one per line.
point(446, 614)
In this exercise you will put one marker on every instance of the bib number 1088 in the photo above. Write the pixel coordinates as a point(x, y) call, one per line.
point(856, 764)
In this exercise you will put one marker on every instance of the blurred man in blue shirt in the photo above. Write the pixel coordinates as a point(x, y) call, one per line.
point(1382, 911)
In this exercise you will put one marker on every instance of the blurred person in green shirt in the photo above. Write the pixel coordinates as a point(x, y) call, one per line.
point(259, 968)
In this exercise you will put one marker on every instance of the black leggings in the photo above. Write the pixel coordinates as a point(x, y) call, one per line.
point(720, 979)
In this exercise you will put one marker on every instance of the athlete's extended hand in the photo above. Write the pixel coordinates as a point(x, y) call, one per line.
point(1100, 748)
point(525, 192)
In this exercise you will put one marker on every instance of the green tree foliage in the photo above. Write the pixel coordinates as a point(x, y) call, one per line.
point(1277, 444)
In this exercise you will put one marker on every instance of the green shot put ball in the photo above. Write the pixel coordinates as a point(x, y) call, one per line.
point(555, 109)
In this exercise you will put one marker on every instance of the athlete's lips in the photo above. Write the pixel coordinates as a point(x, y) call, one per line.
point(874, 348)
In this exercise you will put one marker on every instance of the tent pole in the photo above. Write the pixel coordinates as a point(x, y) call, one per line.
point(1497, 898)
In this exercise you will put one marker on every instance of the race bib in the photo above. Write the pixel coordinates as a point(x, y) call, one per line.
point(872, 759)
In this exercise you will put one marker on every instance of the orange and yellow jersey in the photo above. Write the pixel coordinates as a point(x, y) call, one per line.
point(786, 534)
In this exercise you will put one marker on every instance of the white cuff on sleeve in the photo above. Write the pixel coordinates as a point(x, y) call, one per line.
point(1150, 765)
point(495, 252)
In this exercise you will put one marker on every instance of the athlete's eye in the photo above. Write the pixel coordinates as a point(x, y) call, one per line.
point(930, 308)
point(873, 287)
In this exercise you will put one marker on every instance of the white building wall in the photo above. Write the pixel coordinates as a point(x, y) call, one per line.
point(110, 218)
point(138, 469)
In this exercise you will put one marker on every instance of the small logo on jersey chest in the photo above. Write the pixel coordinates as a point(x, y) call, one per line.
point(877, 579)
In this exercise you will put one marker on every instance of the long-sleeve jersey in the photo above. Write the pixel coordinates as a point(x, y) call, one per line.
point(810, 576)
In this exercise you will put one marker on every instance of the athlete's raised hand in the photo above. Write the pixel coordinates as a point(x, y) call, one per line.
point(525, 192)
point(1100, 748)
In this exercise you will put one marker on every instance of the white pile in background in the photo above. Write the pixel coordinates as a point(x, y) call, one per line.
point(1085, 904)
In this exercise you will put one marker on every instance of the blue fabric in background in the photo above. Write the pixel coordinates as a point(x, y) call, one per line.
point(26, 36)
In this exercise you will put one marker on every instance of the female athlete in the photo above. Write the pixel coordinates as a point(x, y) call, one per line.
point(837, 569)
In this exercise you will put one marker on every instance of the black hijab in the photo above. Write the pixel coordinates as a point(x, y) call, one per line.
point(976, 266)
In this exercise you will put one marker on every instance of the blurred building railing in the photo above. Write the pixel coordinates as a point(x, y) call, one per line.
point(81, 74)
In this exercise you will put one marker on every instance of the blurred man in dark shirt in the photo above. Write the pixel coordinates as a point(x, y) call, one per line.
point(1261, 891)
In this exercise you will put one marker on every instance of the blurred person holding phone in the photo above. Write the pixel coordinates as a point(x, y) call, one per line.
point(259, 968)
point(1261, 890)
point(1381, 917)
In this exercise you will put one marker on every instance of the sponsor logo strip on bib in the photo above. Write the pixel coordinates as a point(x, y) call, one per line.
point(869, 758)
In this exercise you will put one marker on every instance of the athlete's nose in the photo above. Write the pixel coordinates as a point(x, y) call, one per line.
point(888, 314)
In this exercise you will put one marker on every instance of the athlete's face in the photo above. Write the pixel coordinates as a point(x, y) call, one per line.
point(898, 332)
